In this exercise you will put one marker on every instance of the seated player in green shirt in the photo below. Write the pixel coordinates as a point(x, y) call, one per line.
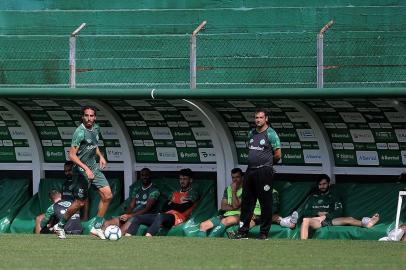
point(56, 211)
point(323, 208)
point(143, 201)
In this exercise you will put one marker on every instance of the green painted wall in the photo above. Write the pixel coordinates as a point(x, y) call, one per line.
point(245, 44)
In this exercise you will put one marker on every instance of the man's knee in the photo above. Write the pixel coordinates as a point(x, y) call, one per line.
point(106, 195)
point(206, 225)
point(39, 218)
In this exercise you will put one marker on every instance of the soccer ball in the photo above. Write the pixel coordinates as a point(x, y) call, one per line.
point(112, 232)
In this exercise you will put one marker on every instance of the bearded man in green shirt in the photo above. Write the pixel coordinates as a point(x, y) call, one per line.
point(83, 152)
point(323, 208)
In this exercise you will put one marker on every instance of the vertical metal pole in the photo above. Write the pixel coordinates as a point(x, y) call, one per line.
point(72, 62)
point(193, 62)
point(72, 56)
point(193, 55)
point(320, 55)
point(320, 64)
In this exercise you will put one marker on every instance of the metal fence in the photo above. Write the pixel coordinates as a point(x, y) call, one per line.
point(267, 60)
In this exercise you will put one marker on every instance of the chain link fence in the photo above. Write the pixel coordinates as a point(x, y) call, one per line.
point(268, 60)
point(34, 61)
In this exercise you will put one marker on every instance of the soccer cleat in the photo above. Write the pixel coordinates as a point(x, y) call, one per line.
point(98, 232)
point(60, 232)
point(237, 235)
point(262, 236)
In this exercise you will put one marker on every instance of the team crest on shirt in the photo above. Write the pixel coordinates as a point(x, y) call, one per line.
point(144, 196)
point(262, 142)
point(89, 140)
point(137, 196)
point(267, 187)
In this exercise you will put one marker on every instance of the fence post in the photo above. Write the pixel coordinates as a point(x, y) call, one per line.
point(320, 55)
point(193, 55)
point(72, 56)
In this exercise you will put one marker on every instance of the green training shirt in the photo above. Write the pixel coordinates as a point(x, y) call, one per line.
point(323, 203)
point(87, 141)
point(142, 195)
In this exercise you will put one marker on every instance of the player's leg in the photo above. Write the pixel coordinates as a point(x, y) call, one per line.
point(264, 190)
point(344, 221)
point(38, 220)
point(308, 223)
point(166, 220)
point(206, 225)
point(103, 188)
point(221, 225)
point(248, 202)
point(113, 221)
point(80, 193)
point(137, 221)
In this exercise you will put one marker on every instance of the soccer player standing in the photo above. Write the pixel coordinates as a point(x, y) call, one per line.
point(86, 172)
point(264, 150)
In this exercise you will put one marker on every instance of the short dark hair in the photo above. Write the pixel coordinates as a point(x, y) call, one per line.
point(69, 163)
point(259, 110)
point(87, 107)
point(236, 170)
point(145, 169)
point(323, 177)
point(186, 172)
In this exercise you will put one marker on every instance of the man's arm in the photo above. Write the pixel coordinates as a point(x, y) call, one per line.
point(85, 211)
point(48, 214)
point(102, 160)
point(235, 201)
point(148, 207)
point(75, 159)
point(277, 154)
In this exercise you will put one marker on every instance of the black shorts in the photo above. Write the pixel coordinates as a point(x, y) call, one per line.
point(80, 187)
point(327, 222)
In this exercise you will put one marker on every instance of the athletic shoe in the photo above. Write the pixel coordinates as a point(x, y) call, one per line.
point(98, 232)
point(294, 217)
point(285, 222)
point(60, 232)
point(384, 239)
point(237, 235)
point(262, 236)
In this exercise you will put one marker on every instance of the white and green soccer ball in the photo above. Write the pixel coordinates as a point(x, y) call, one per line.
point(112, 232)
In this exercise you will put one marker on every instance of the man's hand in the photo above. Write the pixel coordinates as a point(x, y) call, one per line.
point(234, 186)
point(90, 174)
point(125, 217)
point(102, 162)
point(321, 214)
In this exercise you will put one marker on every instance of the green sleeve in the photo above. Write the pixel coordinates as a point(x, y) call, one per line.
point(275, 201)
point(154, 194)
point(48, 214)
point(273, 138)
point(337, 207)
point(78, 137)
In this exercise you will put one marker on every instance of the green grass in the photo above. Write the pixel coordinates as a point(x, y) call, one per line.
point(86, 252)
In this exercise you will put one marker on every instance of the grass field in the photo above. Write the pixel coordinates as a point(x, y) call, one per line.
point(86, 252)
